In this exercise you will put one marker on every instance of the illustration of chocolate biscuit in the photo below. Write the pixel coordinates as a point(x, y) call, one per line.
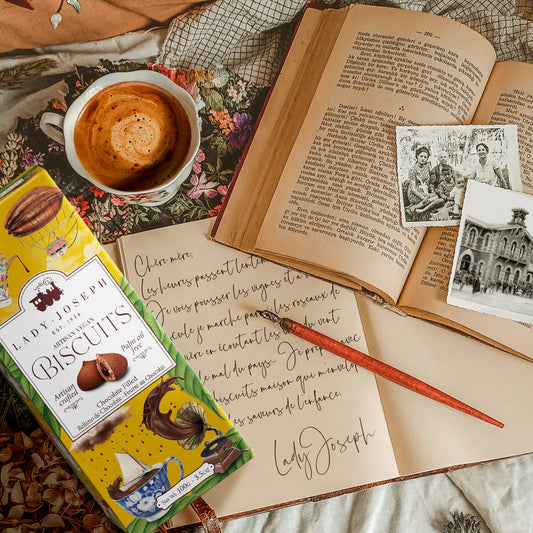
point(88, 377)
point(111, 366)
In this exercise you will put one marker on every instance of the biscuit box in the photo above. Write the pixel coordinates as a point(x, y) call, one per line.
point(97, 371)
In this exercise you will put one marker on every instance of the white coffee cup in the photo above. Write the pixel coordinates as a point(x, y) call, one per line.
point(61, 129)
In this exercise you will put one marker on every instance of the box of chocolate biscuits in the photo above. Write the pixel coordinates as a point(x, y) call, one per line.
point(96, 369)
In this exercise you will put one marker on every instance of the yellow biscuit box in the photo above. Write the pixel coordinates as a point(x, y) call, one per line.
point(98, 372)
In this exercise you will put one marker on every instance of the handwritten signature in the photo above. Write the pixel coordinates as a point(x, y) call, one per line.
point(313, 452)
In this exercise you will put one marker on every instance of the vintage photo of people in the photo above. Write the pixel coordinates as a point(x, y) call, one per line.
point(493, 263)
point(434, 163)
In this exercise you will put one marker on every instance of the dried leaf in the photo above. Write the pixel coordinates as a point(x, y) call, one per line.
point(52, 520)
point(17, 496)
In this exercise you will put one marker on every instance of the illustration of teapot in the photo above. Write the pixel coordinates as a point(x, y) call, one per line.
point(5, 298)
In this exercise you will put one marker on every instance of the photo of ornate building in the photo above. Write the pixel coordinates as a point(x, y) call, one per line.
point(497, 257)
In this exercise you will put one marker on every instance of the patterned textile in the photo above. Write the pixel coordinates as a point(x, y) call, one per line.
point(248, 36)
point(251, 36)
point(228, 108)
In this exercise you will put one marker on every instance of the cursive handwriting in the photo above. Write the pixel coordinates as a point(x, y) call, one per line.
point(312, 452)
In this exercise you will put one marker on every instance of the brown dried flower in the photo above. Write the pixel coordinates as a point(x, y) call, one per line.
point(38, 490)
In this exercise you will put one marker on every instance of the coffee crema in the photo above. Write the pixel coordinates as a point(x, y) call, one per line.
point(132, 136)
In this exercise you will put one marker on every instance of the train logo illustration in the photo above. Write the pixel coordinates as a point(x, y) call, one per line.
point(44, 299)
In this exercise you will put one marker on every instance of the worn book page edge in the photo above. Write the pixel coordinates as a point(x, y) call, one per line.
point(280, 123)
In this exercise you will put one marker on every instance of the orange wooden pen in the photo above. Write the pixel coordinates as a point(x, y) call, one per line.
point(379, 368)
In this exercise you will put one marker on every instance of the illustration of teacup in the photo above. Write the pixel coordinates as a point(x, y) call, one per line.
point(138, 495)
point(5, 298)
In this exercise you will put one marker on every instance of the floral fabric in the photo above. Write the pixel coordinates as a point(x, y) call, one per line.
point(228, 108)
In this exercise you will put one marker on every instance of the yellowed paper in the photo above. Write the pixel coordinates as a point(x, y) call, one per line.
point(336, 202)
point(508, 99)
point(428, 435)
point(314, 420)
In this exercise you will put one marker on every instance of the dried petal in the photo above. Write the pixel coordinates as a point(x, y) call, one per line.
point(57, 475)
point(52, 520)
point(38, 435)
point(22, 440)
point(70, 484)
point(38, 460)
point(33, 495)
point(16, 512)
point(17, 496)
point(53, 497)
point(18, 473)
point(72, 498)
point(5, 454)
point(4, 474)
point(5, 496)
point(91, 521)
point(13, 530)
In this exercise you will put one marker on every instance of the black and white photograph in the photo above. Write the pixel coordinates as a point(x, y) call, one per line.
point(493, 263)
point(435, 162)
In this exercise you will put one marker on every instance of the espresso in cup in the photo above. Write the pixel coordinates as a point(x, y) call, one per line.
point(132, 136)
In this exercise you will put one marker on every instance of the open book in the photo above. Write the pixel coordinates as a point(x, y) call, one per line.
point(318, 188)
point(318, 424)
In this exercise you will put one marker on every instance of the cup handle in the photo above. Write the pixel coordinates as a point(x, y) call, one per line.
point(52, 125)
point(177, 461)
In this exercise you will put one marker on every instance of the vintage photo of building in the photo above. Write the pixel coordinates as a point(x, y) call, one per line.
point(435, 162)
point(493, 263)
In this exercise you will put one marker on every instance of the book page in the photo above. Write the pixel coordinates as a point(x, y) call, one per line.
point(285, 109)
point(313, 420)
point(428, 435)
point(336, 203)
point(508, 99)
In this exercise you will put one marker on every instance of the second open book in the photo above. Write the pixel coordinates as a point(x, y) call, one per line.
point(317, 423)
point(318, 189)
